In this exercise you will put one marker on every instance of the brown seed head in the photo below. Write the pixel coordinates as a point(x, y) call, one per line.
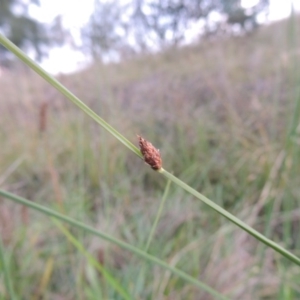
point(150, 153)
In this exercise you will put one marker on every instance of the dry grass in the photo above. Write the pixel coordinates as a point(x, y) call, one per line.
point(219, 113)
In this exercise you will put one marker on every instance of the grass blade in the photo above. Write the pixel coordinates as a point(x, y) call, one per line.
point(161, 206)
point(143, 254)
point(34, 66)
point(232, 218)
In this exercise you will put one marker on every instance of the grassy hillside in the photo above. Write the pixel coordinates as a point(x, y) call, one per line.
point(225, 116)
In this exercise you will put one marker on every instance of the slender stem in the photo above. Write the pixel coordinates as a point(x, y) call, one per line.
point(34, 66)
point(143, 254)
point(153, 228)
point(232, 218)
point(161, 206)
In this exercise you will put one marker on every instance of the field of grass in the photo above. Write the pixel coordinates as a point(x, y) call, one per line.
point(225, 116)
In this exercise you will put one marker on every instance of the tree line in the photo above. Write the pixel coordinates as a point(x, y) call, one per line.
point(123, 28)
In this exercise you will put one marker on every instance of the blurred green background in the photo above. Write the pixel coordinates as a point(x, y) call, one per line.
point(224, 113)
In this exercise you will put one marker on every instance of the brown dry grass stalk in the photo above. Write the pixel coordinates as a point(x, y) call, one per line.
point(43, 117)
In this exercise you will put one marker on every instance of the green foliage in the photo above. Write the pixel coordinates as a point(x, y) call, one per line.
point(118, 29)
point(221, 126)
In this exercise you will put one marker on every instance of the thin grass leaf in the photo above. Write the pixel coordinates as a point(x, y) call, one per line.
point(34, 66)
point(161, 206)
point(232, 218)
point(107, 237)
point(150, 237)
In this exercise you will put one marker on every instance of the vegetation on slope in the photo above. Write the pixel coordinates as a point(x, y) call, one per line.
point(224, 116)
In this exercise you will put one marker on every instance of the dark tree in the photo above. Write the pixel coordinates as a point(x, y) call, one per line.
point(103, 32)
point(151, 25)
point(140, 25)
point(166, 21)
point(246, 19)
point(26, 32)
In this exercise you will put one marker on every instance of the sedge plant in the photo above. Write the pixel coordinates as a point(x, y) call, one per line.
point(152, 158)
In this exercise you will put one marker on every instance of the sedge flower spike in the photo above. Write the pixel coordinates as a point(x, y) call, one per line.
point(150, 153)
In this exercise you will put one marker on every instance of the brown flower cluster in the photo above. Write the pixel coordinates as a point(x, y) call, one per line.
point(150, 153)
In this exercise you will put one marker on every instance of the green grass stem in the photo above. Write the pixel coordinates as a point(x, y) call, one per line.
point(34, 66)
point(21, 55)
point(232, 218)
point(143, 254)
point(160, 209)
